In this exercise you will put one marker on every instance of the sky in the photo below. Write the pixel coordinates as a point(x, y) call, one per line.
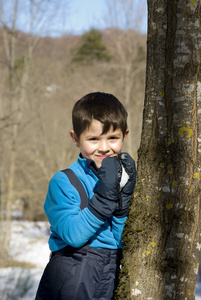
point(61, 17)
point(86, 14)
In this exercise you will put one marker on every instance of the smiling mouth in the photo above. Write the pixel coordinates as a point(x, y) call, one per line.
point(102, 156)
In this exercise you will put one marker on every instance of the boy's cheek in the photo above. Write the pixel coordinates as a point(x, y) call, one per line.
point(119, 148)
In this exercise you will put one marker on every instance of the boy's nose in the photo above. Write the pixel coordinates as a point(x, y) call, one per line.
point(103, 146)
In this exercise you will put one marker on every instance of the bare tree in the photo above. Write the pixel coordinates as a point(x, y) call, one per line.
point(16, 99)
point(126, 19)
point(17, 51)
point(162, 235)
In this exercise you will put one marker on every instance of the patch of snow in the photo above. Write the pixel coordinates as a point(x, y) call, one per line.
point(19, 283)
point(29, 243)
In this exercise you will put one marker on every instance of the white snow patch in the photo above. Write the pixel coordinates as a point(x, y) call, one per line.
point(19, 283)
point(29, 243)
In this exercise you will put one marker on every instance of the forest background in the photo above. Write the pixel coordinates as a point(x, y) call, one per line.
point(41, 79)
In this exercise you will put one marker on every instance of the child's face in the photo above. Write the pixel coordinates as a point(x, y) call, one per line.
point(95, 145)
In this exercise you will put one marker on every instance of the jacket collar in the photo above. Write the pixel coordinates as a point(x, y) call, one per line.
point(89, 163)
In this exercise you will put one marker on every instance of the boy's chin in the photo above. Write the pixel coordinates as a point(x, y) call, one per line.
point(98, 164)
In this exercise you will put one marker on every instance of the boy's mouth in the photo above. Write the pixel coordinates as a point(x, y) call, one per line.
point(102, 156)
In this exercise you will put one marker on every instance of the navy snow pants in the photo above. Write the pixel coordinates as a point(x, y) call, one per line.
point(80, 277)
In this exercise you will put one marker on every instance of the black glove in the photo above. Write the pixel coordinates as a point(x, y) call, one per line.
point(127, 191)
point(105, 200)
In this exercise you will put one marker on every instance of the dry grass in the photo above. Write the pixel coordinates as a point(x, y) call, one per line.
point(14, 263)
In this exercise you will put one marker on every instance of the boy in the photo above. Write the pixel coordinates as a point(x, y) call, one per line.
point(86, 244)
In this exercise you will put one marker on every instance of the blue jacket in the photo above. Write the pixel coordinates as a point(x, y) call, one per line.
point(69, 224)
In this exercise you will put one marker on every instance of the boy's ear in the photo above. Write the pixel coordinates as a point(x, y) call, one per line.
point(74, 138)
point(127, 132)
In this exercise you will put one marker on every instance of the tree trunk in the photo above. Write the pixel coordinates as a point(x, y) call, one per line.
point(162, 234)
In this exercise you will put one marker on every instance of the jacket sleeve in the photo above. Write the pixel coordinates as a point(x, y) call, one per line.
point(117, 229)
point(62, 207)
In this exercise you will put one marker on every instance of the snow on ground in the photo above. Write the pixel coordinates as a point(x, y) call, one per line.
point(18, 283)
point(29, 243)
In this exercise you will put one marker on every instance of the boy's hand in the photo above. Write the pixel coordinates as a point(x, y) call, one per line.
point(105, 200)
point(109, 178)
point(129, 166)
point(127, 191)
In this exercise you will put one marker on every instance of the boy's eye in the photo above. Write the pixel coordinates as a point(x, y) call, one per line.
point(113, 138)
point(93, 139)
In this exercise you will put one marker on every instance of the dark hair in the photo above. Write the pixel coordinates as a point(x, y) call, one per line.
point(102, 107)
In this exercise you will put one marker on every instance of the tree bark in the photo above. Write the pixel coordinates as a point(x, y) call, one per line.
point(162, 234)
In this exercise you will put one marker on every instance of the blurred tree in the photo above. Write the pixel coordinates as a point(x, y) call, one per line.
point(91, 48)
point(162, 234)
point(13, 108)
point(126, 18)
point(16, 56)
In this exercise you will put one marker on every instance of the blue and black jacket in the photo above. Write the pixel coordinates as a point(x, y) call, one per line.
point(75, 227)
